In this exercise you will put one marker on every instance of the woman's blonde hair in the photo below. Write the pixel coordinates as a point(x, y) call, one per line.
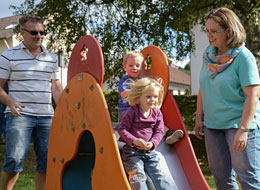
point(143, 85)
point(133, 54)
point(229, 21)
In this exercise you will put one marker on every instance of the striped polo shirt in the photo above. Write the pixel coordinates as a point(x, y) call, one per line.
point(29, 79)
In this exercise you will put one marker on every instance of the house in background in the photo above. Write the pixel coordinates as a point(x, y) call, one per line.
point(179, 81)
point(8, 38)
point(201, 43)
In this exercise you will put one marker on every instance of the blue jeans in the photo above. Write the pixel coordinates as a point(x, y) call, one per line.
point(137, 162)
point(2, 125)
point(18, 136)
point(224, 163)
point(2, 120)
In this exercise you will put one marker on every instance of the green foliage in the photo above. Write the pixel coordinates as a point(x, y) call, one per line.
point(187, 106)
point(186, 69)
point(112, 103)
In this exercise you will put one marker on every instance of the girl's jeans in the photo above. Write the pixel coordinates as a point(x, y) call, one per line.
point(137, 162)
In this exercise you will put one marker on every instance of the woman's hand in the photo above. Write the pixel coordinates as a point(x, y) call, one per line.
point(199, 114)
point(198, 129)
point(240, 140)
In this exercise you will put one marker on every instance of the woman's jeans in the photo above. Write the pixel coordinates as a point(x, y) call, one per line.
point(224, 163)
point(137, 162)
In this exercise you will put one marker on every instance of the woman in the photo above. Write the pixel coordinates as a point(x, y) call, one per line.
point(228, 104)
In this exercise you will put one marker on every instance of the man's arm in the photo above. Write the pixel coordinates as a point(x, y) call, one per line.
point(56, 89)
point(4, 98)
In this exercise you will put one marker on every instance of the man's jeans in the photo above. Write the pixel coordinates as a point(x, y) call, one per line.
point(18, 136)
point(224, 163)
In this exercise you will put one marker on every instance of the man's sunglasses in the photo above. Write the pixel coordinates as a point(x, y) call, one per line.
point(35, 33)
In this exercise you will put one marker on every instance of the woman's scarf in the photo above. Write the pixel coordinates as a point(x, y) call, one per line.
point(218, 63)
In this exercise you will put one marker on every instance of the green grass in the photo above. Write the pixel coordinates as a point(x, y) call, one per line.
point(26, 179)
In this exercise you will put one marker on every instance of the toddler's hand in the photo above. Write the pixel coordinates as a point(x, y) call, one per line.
point(140, 143)
point(148, 145)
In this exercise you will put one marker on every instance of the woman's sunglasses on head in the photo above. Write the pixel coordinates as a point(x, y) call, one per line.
point(34, 32)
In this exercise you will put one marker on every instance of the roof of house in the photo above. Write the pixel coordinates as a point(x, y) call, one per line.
point(179, 76)
point(7, 25)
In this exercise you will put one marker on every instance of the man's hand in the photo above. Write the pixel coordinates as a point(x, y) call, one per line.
point(14, 107)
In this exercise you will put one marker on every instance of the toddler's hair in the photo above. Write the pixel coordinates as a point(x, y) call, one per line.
point(133, 54)
point(143, 85)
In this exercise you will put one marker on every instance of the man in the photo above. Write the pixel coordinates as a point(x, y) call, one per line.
point(32, 75)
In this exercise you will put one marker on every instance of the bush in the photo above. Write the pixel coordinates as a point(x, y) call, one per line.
point(187, 106)
point(112, 103)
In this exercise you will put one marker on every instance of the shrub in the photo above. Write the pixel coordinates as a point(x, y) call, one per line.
point(112, 103)
point(187, 106)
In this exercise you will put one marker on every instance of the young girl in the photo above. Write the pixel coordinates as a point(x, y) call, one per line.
point(142, 129)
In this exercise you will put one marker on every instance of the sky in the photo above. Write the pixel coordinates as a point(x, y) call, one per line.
point(4, 7)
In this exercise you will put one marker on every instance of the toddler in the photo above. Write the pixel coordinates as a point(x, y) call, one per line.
point(142, 129)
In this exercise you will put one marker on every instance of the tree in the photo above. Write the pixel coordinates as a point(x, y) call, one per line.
point(186, 69)
point(122, 25)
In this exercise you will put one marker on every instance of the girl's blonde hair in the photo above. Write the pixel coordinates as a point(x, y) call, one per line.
point(133, 54)
point(229, 21)
point(143, 85)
